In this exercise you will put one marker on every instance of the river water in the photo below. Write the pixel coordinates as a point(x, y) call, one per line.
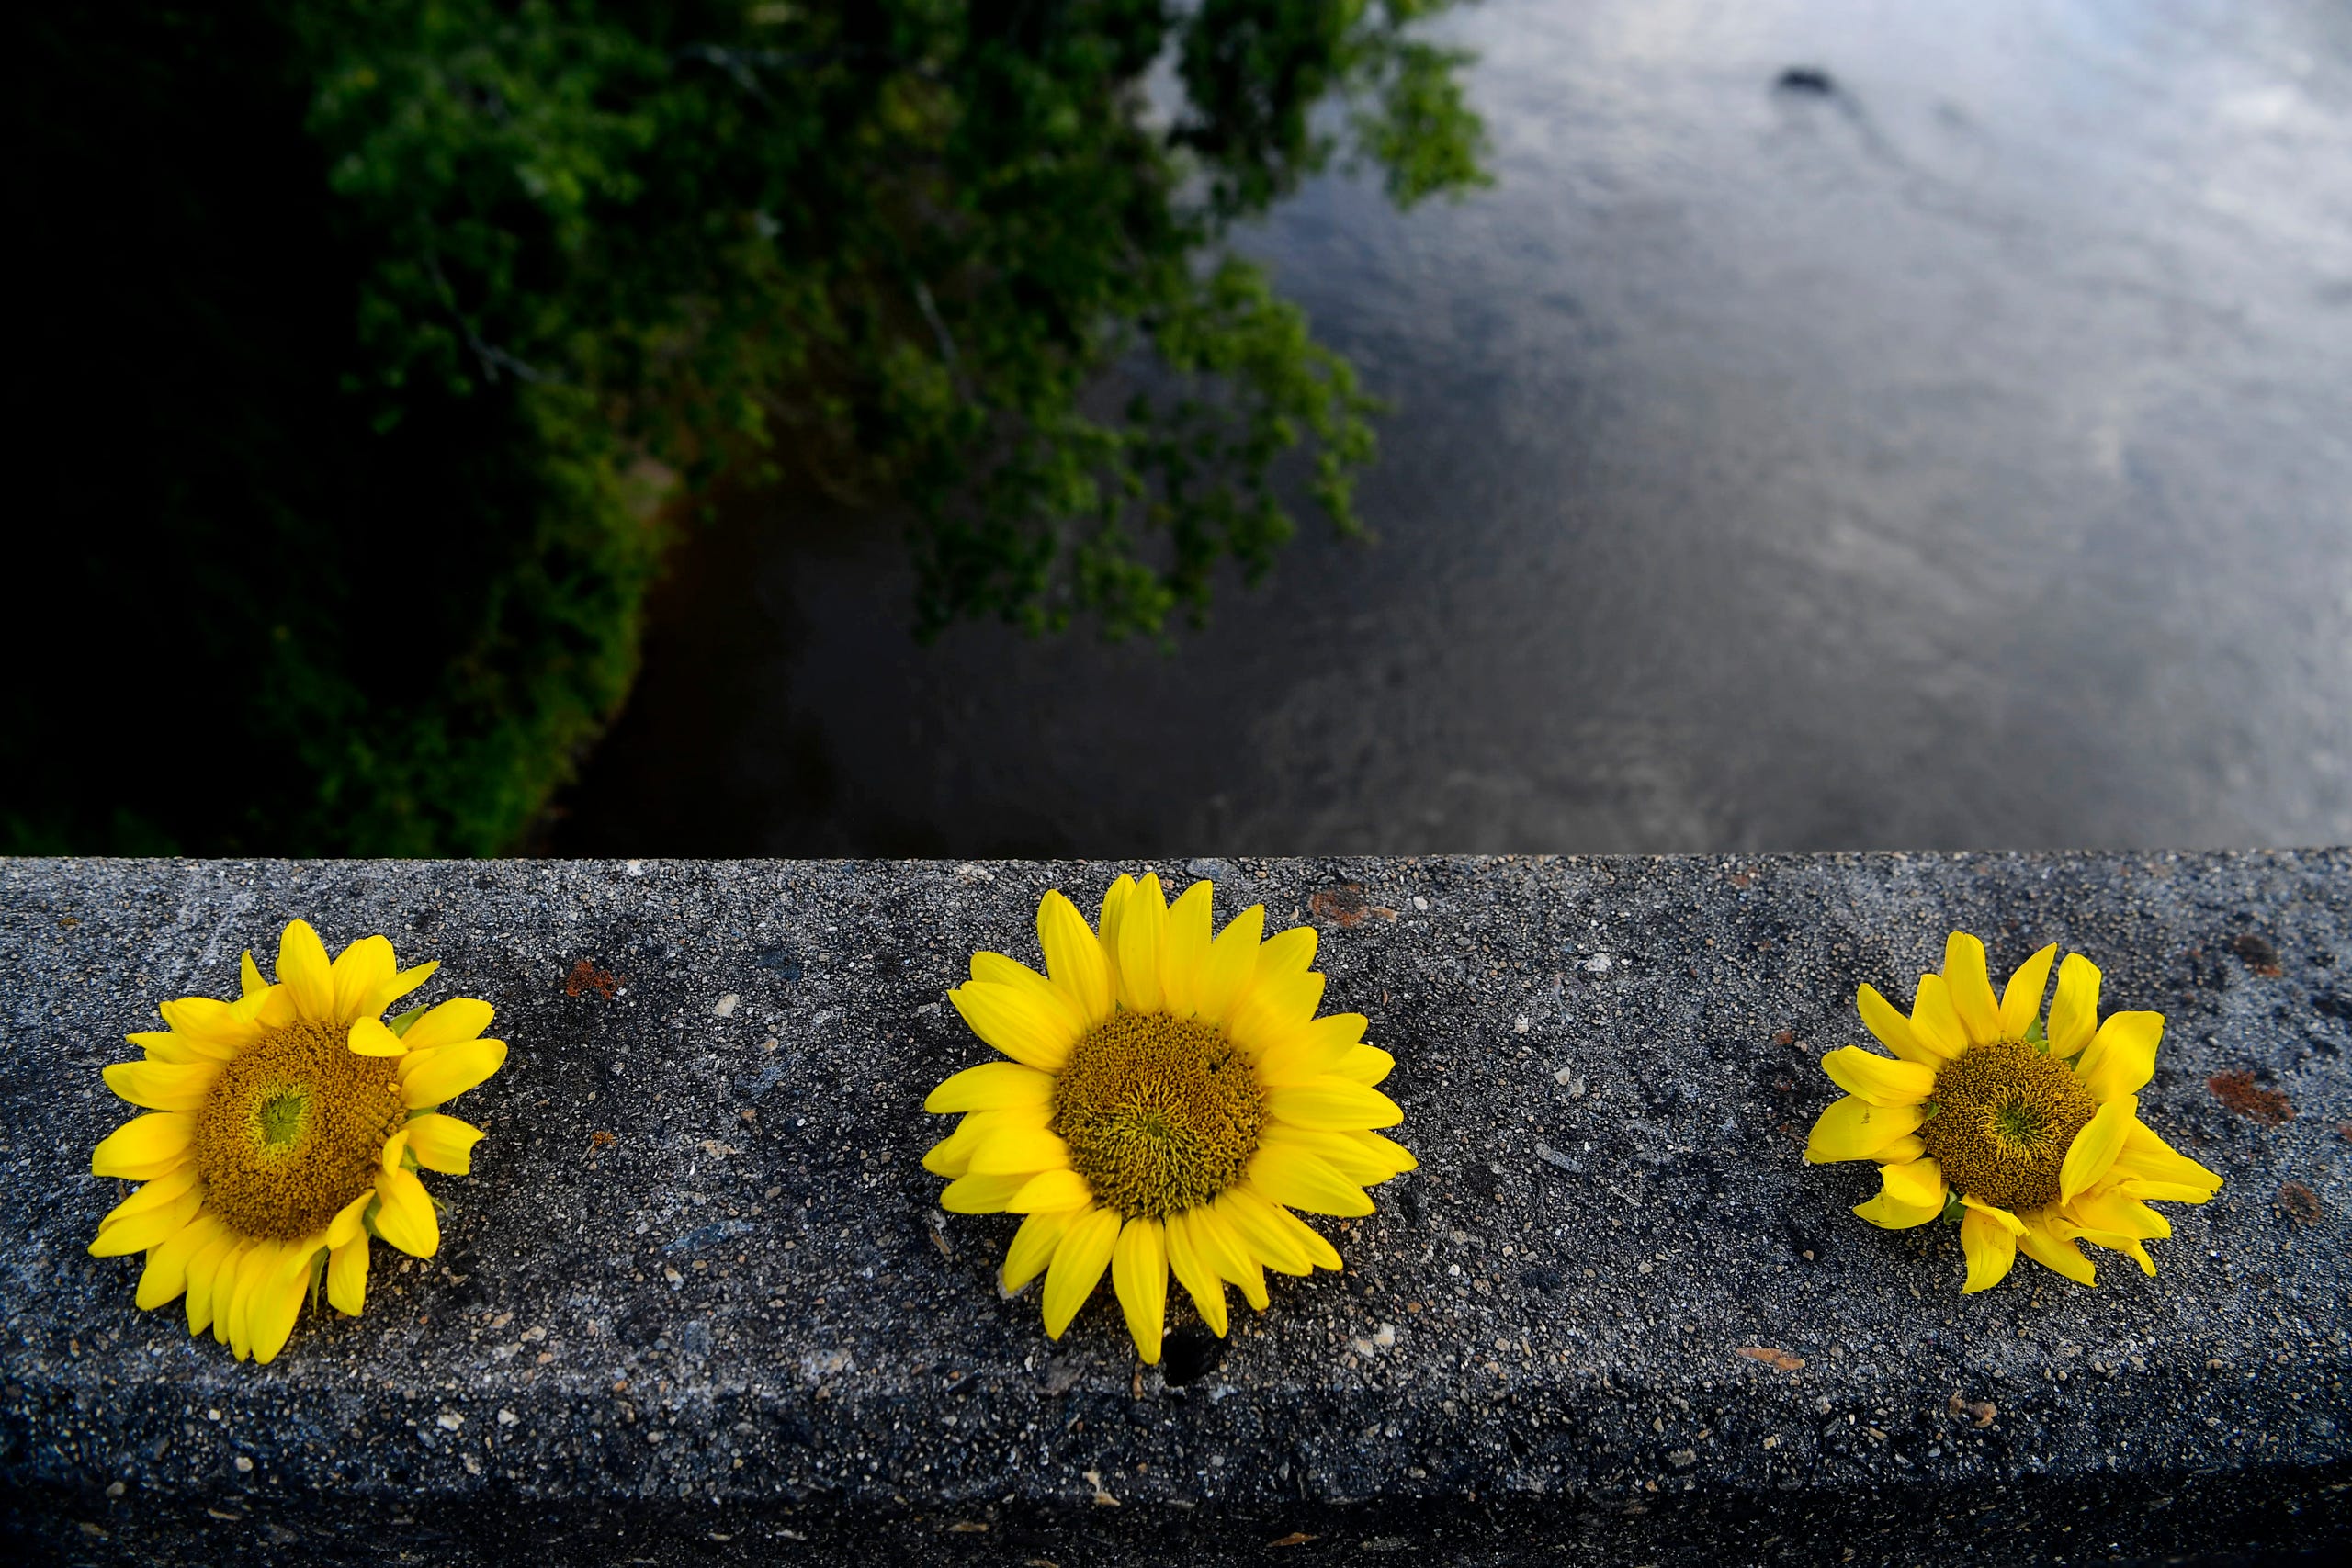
point(1961, 456)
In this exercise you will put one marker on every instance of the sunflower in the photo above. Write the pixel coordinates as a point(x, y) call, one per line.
point(2029, 1136)
point(1170, 1098)
point(289, 1127)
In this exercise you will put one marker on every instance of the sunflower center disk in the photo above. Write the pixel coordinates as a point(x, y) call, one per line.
point(293, 1129)
point(1160, 1113)
point(2001, 1120)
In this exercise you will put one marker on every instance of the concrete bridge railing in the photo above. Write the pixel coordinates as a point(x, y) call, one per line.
point(698, 1300)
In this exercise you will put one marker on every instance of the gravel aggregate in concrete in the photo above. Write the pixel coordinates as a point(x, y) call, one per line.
point(698, 1300)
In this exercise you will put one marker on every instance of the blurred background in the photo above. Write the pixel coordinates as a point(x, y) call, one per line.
point(1129, 427)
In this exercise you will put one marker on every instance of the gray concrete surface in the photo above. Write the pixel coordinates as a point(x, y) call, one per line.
point(697, 1302)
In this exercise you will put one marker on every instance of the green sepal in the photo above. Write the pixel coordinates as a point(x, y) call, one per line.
point(317, 1275)
point(1953, 1207)
point(398, 1026)
point(2038, 1037)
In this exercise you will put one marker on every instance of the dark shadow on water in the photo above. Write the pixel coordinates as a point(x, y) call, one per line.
point(1955, 458)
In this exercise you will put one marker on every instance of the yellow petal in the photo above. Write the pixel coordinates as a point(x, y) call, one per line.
point(166, 1273)
point(163, 1086)
point(952, 1155)
point(1292, 1176)
point(1032, 1248)
point(1893, 1031)
point(430, 1077)
point(1185, 959)
point(443, 1143)
point(146, 1146)
point(1010, 1021)
point(457, 1019)
point(1314, 1049)
point(1366, 1065)
point(2093, 1152)
point(2122, 1054)
point(350, 1220)
point(1193, 1272)
point(2108, 1207)
point(2148, 1157)
point(119, 1238)
point(1338, 1150)
point(2074, 1011)
point(1024, 1150)
point(405, 1218)
point(231, 1320)
point(1878, 1079)
point(213, 1028)
point(165, 1046)
point(249, 975)
point(1317, 1251)
point(272, 1009)
point(1332, 1102)
point(347, 1276)
point(991, 1086)
point(2021, 998)
point(393, 987)
point(1396, 1156)
point(1286, 953)
point(1114, 906)
point(1051, 1190)
point(357, 972)
point(1232, 965)
point(1991, 1247)
point(1993, 1214)
point(1221, 1247)
point(204, 1272)
point(1908, 1195)
point(1935, 1023)
point(371, 1038)
point(1049, 999)
point(1254, 1224)
point(304, 970)
point(1274, 1010)
point(1140, 1275)
point(1143, 936)
point(1074, 957)
point(1903, 1151)
point(1853, 1128)
point(982, 1194)
point(2054, 1249)
point(1971, 989)
point(278, 1301)
point(160, 1194)
point(2166, 1192)
point(1082, 1254)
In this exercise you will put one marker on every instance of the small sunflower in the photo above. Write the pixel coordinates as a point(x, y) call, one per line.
point(1172, 1097)
point(2029, 1135)
point(290, 1126)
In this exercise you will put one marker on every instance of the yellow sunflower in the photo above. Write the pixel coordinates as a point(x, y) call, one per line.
point(289, 1127)
point(2029, 1135)
point(1170, 1098)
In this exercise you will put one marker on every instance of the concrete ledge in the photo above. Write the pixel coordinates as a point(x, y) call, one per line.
point(697, 1300)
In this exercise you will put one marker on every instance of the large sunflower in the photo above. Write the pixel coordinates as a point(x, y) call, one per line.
point(1171, 1095)
point(290, 1126)
point(2029, 1136)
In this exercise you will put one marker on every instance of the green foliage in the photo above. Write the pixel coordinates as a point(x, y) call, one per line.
point(427, 295)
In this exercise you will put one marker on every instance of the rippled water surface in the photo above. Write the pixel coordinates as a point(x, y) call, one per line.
point(1961, 456)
